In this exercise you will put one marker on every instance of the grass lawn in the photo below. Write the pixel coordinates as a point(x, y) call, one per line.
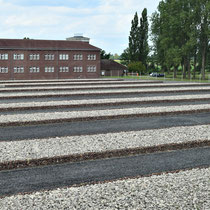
point(168, 77)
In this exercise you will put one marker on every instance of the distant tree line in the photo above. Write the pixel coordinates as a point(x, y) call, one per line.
point(181, 33)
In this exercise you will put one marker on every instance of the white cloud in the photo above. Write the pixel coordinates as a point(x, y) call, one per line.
point(107, 23)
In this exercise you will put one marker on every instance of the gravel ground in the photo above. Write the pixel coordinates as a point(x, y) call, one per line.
point(46, 82)
point(101, 101)
point(102, 85)
point(185, 190)
point(20, 118)
point(2, 95)
point(40, 148)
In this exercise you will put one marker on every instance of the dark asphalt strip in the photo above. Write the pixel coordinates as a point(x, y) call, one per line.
point(101, 126)
point(102, 106)
point(87, 97)
point(49, 177)
point(100, 117)
point(100, 155)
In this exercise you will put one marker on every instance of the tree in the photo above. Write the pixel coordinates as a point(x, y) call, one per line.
point(180, 33)
point(143, 47)
point(136, 66)
point(124, 57)
point(104, 55)
point(138, 47)
point(134, 39)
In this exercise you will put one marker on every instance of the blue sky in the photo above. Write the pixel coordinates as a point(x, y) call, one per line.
point(106, 22)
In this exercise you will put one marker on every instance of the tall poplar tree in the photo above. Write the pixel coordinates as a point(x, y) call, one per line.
point(143, 38)
point(134, 39)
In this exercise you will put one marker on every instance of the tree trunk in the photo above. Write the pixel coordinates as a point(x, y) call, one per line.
point(195, 61)
point(175, 71)
point(189, 69)
point(185, 67)
point(203, 62)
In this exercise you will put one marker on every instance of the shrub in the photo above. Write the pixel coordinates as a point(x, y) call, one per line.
point(137, 67)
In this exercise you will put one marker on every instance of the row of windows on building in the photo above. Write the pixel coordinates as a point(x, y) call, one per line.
point(48, 69)
point(47, 57)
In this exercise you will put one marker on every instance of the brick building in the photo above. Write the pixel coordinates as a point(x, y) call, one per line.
point(48, 59)
point(112, 68)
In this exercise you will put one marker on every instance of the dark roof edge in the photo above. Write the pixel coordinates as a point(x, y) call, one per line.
point(43, 49)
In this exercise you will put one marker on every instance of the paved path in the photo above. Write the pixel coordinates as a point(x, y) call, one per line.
point(101, 126)
point(53, 176)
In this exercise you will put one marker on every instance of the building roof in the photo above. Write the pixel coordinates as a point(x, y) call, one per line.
point(78, 38)
point(111, 65)
point(32, 44)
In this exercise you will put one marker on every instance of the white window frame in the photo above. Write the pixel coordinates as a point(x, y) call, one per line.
point(91, 57)
point(49, 69)
point(77, 69)
point(18, 70)
point(4, 70)
point(34, 69)
point(78, 57)
point(34, 57)
point(4, 56)
point(49, 57)
point(64, 69)
point(63, 57)
point(18, 56)
point(91, 69)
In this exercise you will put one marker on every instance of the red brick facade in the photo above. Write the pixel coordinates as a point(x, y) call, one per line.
point(19, 65)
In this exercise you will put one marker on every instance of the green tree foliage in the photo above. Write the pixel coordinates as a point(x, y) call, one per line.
point(104, 55)
point(143, 38)
point(138, 48)
point(181, 33)
point(136, 66)
point(134, 39)
point(125, 57)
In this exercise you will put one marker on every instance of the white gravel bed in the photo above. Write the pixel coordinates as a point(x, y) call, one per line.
point(75, 92)
point(97, 113)
point(71, 145)
point(99, 85)
point(88, 82)
point(184, 190)
point(101, 101)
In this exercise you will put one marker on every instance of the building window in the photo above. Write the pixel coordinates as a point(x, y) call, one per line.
point(34, 57)
point(91, 57)
point(63, 57)
point(64, 69)
point(77, 69)
point(18, 69)
point(78, 57)
point(3, 56)
point(91, 68)
point(34, 69)
point(4, 70)
point(49, 57)
point(49, 69)
point(18, 56)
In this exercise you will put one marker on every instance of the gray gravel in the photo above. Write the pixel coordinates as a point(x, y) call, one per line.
point(69, 145)
point(100, 85)
point(184, 190)
point(100, 101)
point(97, 113)
point(75, 92)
